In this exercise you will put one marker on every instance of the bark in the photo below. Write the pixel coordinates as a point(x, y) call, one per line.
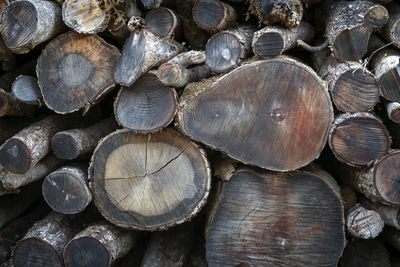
point(142, 51)
point(176, 73)
point(363, 253)
point(149, 4)
point(363, 223)
point(213, 15)
point(391, 30)
point(227, 49)
point(66, 190)
point(393, 111)
point(10, 106)
point(164, 23)
point(359, 139)
point(390, 215)
point(274, 40)
point(256, 221)
point(9, 126)
point(231, 105)
point(99, 245)
point(27, 23)
point(146, 106)
point(352, 87)
point(71, 144)
point(26, 90)
point(75, 70)
point(123, 165)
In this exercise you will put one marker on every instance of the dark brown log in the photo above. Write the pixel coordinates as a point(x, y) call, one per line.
point(275, 219)
point(286, 12)
point(176, 72)
point(392, 236)
point(365, 253)
point(75, 70)
point(71, 144)
point(99, 245)
point(149, 182)
point(26, 90)
point(7, 57)
point(16, 229)
point(393, 111)
point(274, 40)
point(142, 51)
point(259, 105)
point(169, 248)
point(349, 197)
point(84, 16)
point(227, 49)
point(358, 139)
point(66, 190)
point(352, 87)
point(10, 106)
point(391, 30)
point(363, 223)
point(164, 23)
point(350, 25)
point(27, 23)
point(390, 215)
point(213, 15)
point(146, 106)
point(45, 241)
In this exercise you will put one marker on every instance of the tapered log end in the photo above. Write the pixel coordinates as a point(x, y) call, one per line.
point(351, 45)
point(86, 251)
point(15, 156)
point(377, 16)
point(64, 146)
point(390, 84)
point(387, 178)
point(269, 45)
point(19, 22)
point(34, 252)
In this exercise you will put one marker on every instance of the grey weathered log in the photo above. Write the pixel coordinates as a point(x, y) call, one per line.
point(164, 23)
point(213, 15)
point(274, 40)
point(227, 49)
point(363, 223)
point(99, 245)
point(393, 111)
point(176, 73)
point(362, 253)
point(391, 30)
point(26, 90)
point(142, 51)
point(286, 12)
point(71, 144)
point(10, 106)
point(27, 23)
point(389, 214)
point(66, 190)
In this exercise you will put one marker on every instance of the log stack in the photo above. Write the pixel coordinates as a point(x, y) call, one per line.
point(199, 133)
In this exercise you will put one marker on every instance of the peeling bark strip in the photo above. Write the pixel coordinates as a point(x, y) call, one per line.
point(259, 105)
point(352, 87)
point(393, 111)
point(350, 25)
point(142, 51)
point(273, 40)
point(99, 245)
point(176, 72)
point(9, 106)
point(66, 189)
point(164, 23)
point(147, 106)
point(365, 253)
point(359, 139)
point(391, 30)
point(227, 49)
point(26, 90)
point(84, 16)
point(71, 144)
point(270, 219)
point(75, 70)
point(149, 182)
point(45, 241)
point(286, 12)
point(213, 15)
point(27, 23)
point(363, 223)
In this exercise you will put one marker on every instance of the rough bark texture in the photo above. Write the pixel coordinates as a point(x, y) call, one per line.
point(274, 40)
point(75, 70)
point(164, 23)
point(71, 144)
point(391, 30)
point(66, 189)
point(227, 49)
point(149, 182)
point(146, 106)
point(142, 51)
point(365, 253)
point(99, 245)
point(213, 15)
point(363, 223)
point(26, 90)
point(393, 111)
point(390, 215)
point(259, 105)
point(27, 23)
point(271, 219)
point(10, 106)
point(359, 139)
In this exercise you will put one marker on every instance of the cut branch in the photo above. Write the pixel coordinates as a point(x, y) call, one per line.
point(26, 90)
point(213, 15)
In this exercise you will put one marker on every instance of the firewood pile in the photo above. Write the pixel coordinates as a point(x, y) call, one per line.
point(199, 133)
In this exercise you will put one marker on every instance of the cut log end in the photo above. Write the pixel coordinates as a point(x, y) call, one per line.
point(387, 179)
point(393, 111)
point(169, 73)
point(269, 45)
point(64, 146)
point(390, 83)
point(26, 89)
point(162, 22)
point(376, 17)
point(94, 254)
point(36, 253)
point(213, 15)
point(351, 44)
point(363, 223)
point(15, 156)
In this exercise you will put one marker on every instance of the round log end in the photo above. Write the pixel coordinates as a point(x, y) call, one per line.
point(161, 21)
point(15, 156)
point(35, 252)
point(26, 89)
point(19, 23)
point(169, 73)
point(363, 223)
point(86, 251)
point(387, 178)
point(269, 45)
point(377, 16)
point(209, 14)
point(390, 84)
point(64, 146)
point(351, 44)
